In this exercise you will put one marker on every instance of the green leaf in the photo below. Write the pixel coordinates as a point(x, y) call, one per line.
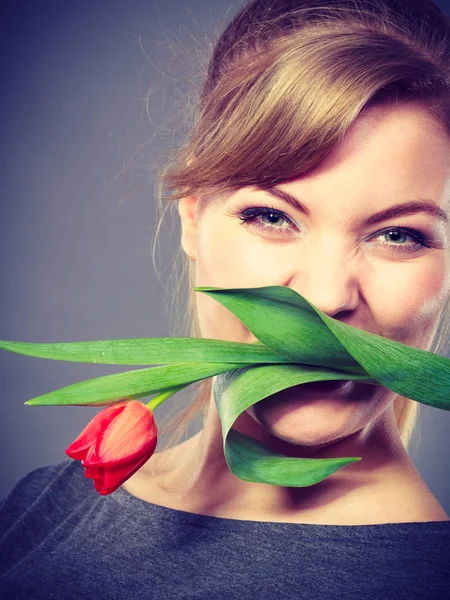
point(138, 383)
point(288, 324)
point(285, 322)
point(237, 390)
point(148, 351)
point(411, 372)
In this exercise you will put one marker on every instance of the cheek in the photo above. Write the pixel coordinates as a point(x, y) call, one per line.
point(407, 300)
point(227, 265)
point(247, 261)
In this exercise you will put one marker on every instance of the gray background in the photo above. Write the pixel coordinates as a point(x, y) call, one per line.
point(78, 153)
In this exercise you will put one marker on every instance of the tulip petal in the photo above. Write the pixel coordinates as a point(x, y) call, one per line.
point(96, 473)
point(115, 477)
point(90, 457)
point(106, 482)
point(131, 435)
point(93, 429)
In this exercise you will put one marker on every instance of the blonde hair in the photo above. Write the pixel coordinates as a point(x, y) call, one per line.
point(285, 82)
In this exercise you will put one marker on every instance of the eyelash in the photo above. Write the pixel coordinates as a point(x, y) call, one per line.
point(249, 215)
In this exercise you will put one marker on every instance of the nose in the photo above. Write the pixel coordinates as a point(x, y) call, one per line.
point(327, 276)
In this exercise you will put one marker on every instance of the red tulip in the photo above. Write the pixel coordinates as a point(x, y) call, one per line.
point(115, 444)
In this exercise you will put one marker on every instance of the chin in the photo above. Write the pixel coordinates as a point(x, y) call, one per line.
point(305, 431)
point(308, 437)
point(311, 414)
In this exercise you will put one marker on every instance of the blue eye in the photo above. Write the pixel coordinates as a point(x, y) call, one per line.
point(255, 217)
point(421, 241)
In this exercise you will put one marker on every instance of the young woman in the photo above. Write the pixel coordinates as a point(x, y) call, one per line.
point(319, 161)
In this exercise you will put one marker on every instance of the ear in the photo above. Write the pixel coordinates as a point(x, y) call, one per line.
point(187, 208)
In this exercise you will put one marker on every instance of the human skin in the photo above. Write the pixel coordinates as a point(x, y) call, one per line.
point(360, 274)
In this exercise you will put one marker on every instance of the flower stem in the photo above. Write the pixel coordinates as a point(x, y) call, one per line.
point(159, 398)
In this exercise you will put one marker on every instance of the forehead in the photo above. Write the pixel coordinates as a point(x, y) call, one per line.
point(398, 149)
point(389, 153)
point(404, 124)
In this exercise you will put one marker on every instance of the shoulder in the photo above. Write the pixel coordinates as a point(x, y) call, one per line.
point(39, 506)
point(40, 476)
point(62, 482)
point(67, 473)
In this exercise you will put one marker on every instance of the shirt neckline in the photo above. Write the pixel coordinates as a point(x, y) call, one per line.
point(122, 496)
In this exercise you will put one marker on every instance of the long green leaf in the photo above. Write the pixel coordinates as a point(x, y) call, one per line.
point(286, 323)
point(237, 390)
point(412, 372)
point(148, 351)
point(134, 384)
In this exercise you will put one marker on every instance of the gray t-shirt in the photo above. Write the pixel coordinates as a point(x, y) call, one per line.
point(60, 539)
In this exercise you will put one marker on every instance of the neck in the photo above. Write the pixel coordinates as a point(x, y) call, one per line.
point(197, 475)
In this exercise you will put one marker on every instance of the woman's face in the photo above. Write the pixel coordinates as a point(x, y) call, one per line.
point(388, 276)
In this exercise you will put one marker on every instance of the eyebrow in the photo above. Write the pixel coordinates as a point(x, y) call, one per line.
point(398, 210)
